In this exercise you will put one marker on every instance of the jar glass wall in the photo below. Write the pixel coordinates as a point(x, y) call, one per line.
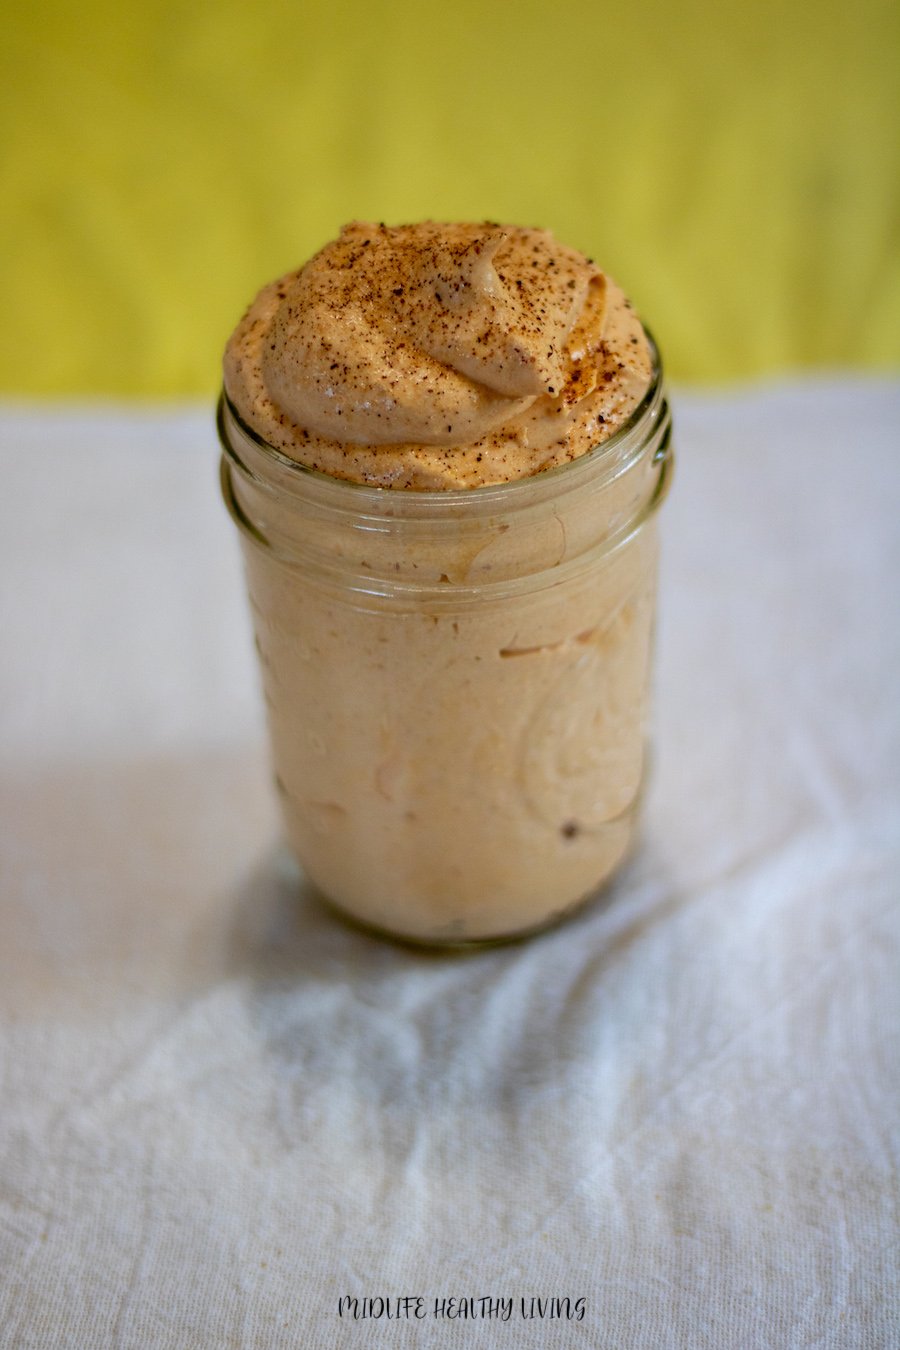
point(457, 683)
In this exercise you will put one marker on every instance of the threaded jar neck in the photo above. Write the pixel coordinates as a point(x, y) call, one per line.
point(461, 544)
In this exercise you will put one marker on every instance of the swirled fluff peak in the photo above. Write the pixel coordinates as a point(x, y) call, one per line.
point(437, 356)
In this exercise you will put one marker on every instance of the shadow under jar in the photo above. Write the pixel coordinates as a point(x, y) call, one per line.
point(457, 683)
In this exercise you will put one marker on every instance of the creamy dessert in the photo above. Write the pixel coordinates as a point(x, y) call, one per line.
point(438, 356)
point(445, 445)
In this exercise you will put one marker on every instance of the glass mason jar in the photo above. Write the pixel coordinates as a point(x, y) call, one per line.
point(457, 682)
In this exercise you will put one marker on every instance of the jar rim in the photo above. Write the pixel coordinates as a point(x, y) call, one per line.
point(607, 451)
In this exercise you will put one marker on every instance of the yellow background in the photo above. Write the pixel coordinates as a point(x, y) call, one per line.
point(734, 166)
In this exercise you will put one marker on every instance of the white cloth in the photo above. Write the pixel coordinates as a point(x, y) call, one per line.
point(221, 1110)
